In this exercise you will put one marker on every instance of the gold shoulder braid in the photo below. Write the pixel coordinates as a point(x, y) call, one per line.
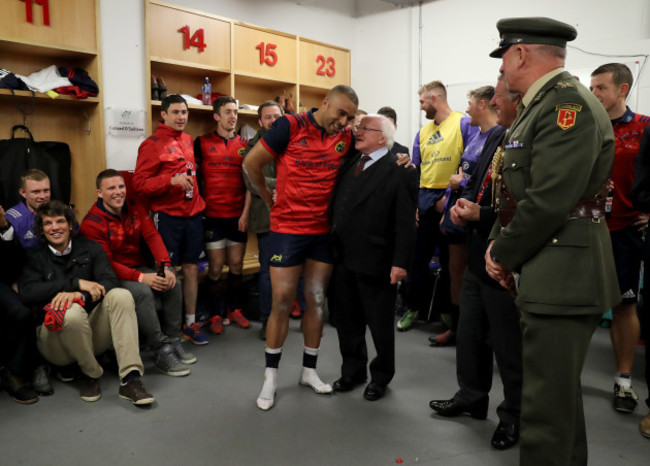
point(497, 167)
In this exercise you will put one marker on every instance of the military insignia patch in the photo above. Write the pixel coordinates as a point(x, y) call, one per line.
point(567, 114)
point(340, 147)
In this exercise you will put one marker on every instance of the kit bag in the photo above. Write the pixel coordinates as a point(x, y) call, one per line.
point(17, 155)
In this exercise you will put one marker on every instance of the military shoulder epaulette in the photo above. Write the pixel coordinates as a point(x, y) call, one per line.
point(564, 84)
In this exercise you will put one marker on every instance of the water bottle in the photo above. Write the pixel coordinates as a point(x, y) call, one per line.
point(206, 92)
point(189, 194)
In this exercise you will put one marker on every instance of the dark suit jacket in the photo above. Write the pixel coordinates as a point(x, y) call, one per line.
point(377, 228)
point(399, 149)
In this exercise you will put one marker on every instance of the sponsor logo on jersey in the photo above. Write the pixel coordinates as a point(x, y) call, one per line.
point(302, 142)
point(435, 138)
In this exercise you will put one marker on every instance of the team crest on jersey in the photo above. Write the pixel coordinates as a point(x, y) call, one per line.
point(340, 147)
point(567, 114)
point(241, 151)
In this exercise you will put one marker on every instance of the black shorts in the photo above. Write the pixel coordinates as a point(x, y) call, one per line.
point(287, 250)
point(627, 245)
point(182, 237)
point(222, 232)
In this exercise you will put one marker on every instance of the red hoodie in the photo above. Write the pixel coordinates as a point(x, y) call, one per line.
point(121, 237)
point(163, 155)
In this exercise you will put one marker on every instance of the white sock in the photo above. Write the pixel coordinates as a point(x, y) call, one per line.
point(624, 380)
point(190, 319)
point(267, 395)
point(310, 378)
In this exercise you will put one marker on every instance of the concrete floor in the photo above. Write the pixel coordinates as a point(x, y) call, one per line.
point(210, 417)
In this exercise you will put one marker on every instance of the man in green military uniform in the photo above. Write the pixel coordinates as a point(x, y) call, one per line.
point(551, 245)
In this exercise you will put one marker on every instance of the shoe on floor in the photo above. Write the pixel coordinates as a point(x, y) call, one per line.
point(216, 325)
point(181, 353)
point(135, 392)
point(40, 381)
point(644, 426)
point(18, 390)
point(90, 390)
point(374, 391)
point(407, 320)
point(447, 338)
point(624, 399)
point(168, 363)
point(452, 408)
point(237, 317)
point(193, 333)
point(505, 436)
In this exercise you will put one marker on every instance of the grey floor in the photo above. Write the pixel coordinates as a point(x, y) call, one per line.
point(210, 417)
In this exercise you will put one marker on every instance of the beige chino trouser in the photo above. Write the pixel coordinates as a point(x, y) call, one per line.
point(85, 335)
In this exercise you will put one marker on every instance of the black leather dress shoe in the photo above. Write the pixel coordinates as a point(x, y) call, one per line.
point(345, 384)
point(451, 408)
point(505, 436)
point(374, 391)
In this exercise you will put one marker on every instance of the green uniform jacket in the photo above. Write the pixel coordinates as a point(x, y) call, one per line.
point(560, 150)
point(259, 214)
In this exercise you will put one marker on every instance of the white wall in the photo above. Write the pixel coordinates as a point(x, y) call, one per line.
point(457, 37)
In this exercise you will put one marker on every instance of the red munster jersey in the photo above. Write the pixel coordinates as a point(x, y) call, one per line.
point(307, 160)
point(121, 237)
point(627, 134)
point(219, 161)
point(163, 155)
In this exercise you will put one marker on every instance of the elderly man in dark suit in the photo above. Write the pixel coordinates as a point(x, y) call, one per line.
point(373, 231)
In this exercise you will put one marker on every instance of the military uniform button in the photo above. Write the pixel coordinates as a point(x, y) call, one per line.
point(554, 241)
point(514, 165)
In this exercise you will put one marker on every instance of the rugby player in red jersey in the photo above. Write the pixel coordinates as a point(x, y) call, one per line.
point(308, 149)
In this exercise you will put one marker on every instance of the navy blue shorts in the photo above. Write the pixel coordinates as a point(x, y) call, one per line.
point(627, 245)
point(287, 250)
point(222, 232)
point(183, 237)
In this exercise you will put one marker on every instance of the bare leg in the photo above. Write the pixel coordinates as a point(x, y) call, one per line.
point(235, 254)
point(284, 281)
point(625, 336)
point(216, 261)
point(190, 287)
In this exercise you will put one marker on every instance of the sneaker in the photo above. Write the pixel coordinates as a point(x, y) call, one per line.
point(237, 317)
point(168, 363)
point(193, 334)
point(90, 390)
point(295, 310)
point(407, 320)
point(18, 390)
point(40, 381)
point(216, 325)
point(67, 373)
point(181, 353)
point(624, 399)
point(447, 338)
point(135, 392)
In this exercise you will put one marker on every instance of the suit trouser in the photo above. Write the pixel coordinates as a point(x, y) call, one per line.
point(85, 335)
point(489, 323)
point(428, 237)
point(17, 341)
point(361, 300)
point(552, 417)
point(147, 304)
